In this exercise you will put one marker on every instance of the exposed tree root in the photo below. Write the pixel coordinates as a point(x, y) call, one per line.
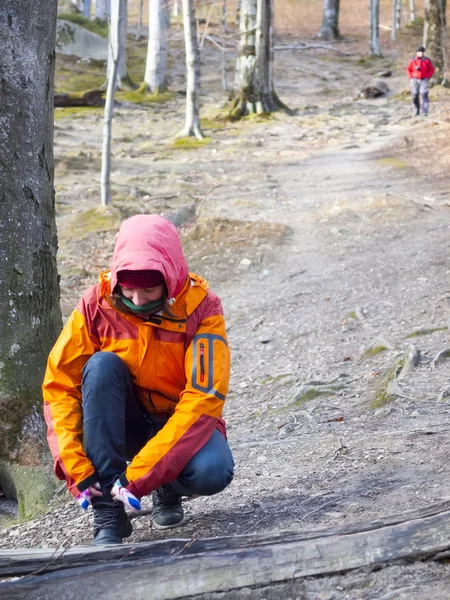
point(445, 353)
point(191, 131)
point(242, 105)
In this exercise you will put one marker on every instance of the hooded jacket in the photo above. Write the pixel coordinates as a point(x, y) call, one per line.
point(179, 364)
point(420, 68)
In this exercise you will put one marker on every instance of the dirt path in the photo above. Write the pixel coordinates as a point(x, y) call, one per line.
point(328, 251)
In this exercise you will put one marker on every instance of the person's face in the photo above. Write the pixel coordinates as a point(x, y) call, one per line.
point(420, 55)
point(141, 296)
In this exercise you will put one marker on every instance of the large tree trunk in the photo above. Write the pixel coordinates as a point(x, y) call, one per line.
point(192, 123)
point(254, 67)
point(374, 17)
point(330, 27)
point(30, 318)
point(118, 47)
point(105, 178)
point(434, 36)
point(102, 10)
point(156, 65)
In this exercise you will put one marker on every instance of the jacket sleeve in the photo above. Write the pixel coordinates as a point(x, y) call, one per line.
point(207, 366)
point(62, 401)
point(409, 69)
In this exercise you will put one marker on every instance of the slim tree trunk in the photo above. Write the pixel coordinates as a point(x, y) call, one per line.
point(254, 66)
point(224, 16)
point(176, 8)
point(86, 9)
point(30, 318)
point(374, 17)
point(192, 123)
point(139, 25)
point(118, 47)
point(412, 10)
point(330, 23)
point(434, 36)
point(238, 12)
point(156, 65)
point(102, 10)
point(105, 178)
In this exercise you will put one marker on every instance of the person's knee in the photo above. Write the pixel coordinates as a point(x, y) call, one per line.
point(100, 367)
point(212, 475)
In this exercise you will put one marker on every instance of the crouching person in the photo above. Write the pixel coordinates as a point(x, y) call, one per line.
point(140, 374)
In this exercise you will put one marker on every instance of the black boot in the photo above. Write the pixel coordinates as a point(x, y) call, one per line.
point(167, 509)
point(111, 523)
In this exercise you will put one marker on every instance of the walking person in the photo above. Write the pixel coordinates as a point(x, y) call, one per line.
point(140, 374)
point(420, 70)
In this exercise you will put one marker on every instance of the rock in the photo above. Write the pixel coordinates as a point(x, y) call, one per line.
point(387, 73)
point(182, 215)
point(375, 89)
point(245, 262)
point(74, 40)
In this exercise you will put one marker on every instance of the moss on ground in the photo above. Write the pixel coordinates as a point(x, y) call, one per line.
point(425, 331)
point(373, 351)
point(392, 161)
point(189, 143)
point(142, 96)
point(96, 26)
point(92, 220)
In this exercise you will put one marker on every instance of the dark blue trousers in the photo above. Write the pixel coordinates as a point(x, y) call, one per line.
point(116, 427)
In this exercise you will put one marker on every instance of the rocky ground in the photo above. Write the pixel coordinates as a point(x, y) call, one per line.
point(326, 236)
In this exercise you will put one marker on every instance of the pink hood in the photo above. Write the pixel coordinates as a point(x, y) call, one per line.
point(150, 242)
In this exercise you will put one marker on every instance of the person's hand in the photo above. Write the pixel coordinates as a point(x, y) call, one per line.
point(84, 498)
point(121, 494)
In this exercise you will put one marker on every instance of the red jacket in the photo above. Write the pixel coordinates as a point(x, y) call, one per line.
point(420, 68)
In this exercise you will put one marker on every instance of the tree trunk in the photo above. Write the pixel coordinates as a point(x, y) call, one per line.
point(412, 10)
point(254, 66)
point(156, 65)
point(375, 47)
point(238, 12)
point(139, 25)
point(102, 10)
point(105, 177)
point(224, 16)
point(176, 8)
point(192, 123)
point(30, 318)
point(330, 28)
point(86, 9)
point(434, 36)
point(394, 19)
point(118, 47)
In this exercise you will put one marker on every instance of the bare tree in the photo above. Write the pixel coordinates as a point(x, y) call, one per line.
point(156, 65)
point(412, 10)
point(86, 9)
point(115, 49)
point(224, 16)
point(102, 10)
point(254, 89)
point(30, 318)
point(330, 22)
point(118, 47)
point(396, 17)
point(139, 25)
point(176, 8)
point(434, 37)
point(192, 123)
point(374, 18)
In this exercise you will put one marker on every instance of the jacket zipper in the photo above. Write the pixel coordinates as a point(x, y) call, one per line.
point(202, 363)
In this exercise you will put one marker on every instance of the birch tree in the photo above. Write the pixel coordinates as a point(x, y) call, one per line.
point(192, 122)
point(374, 19)
point(330, 27)
point(156, 65)
point(176, 8)
point(86, 9)
point(118, 46)
point(30, 318)
point(396, 17)
point(105, 178)
point(139, 25)
point(102, 10)
point(254, 88)
point(434, 35)
point(412, 10)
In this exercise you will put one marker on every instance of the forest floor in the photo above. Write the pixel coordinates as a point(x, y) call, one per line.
point(326, 236)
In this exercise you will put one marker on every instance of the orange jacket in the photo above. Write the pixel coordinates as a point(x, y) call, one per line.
point(179, 365)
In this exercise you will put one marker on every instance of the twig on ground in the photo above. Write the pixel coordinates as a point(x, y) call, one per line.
point(318, 509)
point(445, 353)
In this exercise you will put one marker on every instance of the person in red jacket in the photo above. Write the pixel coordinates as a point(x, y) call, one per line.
point(420, 70)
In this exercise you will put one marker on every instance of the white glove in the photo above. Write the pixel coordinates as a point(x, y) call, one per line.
point(121, 494)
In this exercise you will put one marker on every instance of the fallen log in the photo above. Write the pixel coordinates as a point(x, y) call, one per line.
point(174, 569)
point(89, 98)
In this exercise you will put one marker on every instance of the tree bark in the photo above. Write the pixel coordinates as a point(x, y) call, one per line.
point(156, 65)
point(30, 318)
point(374, 17)
point(102, 10)
point(435, 36)
point(139, 25)
point(105, 177)
point(412, 10)
point(192, 123)
point(224, 17)
point(176, 8)
point(330, 23)
point(118, 47)
point(86, 9)
point(254, 87)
